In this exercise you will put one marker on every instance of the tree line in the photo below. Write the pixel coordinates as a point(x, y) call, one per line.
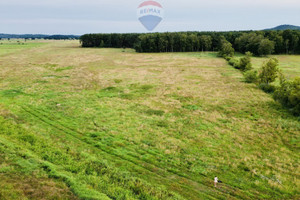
point(113, 40)
point(257, 42)
point(39, 36)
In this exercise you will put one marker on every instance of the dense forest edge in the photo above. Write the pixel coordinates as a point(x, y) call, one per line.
point(257, 42)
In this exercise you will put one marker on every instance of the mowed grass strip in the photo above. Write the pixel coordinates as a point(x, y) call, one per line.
point(152, 126)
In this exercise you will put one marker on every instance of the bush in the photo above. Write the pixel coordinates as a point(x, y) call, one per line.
point(235, 63)
point(245, 62)
point(228, 58)
point(288, 94)
point(226, 49)
point(267, 87)
point(251, 76)
point(269, 71)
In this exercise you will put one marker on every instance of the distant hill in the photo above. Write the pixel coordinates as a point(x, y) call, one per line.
point(284, 27)
point(39, 36)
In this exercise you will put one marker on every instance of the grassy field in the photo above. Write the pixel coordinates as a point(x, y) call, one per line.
point(14, 45)
point(289, 64)
point(113, 124)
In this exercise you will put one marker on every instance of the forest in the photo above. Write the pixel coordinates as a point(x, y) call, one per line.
point(258, 42)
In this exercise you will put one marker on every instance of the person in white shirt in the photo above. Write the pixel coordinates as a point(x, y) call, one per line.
point(216, 181)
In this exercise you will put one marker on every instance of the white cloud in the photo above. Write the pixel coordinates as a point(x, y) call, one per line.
point(80, 16)
point(282, 3)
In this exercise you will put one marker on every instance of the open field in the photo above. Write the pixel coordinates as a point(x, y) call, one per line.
point(113, 124)
point(289, 64)
point(11, 46)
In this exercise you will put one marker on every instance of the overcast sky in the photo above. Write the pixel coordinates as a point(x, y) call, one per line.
point(97, 16)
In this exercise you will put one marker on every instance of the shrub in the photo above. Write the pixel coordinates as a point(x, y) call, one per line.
point(228, 58)
point(269, 71)
point(235, 63)
point(251, 76)
point(226, 49)
point(267, 87)
point(288, 94)
point(245, 62)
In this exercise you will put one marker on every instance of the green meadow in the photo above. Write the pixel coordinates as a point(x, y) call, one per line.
point(14, 45)
point(91, 123)
point(289, 64)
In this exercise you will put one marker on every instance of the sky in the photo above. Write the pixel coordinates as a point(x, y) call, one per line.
point(119, 16)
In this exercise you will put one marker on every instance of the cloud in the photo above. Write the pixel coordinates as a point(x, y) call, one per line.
point(80, 16)
point(198, 3)
point(67, 26)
